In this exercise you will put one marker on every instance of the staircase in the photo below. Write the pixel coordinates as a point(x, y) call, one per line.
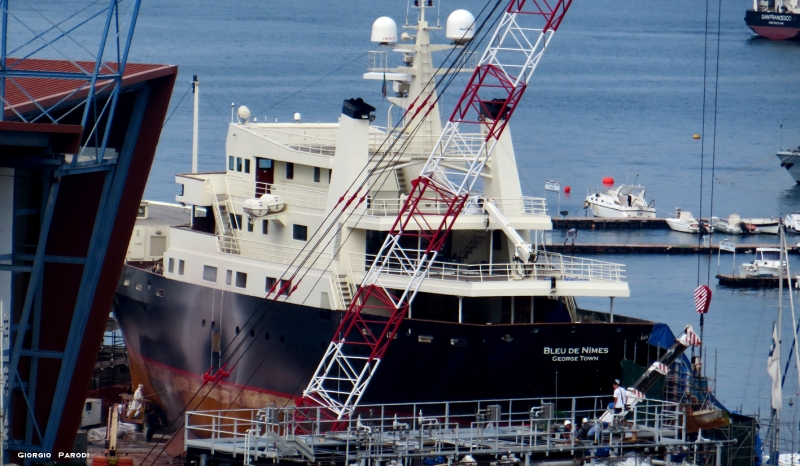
point(347, 295)
point(226, 236)
point(470, 247)
point(401, 181)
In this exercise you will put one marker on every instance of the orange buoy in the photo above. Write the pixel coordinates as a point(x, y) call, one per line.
point(608, 180)
point(567, 189)
point(124, 461)
point(99, 461)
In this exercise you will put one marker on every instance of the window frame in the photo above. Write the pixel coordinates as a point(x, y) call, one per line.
point(289, 171)
point(317, 174)
point(296, 228)
point(206, 270)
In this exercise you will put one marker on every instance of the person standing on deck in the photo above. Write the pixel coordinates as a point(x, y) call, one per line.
point(620, 397)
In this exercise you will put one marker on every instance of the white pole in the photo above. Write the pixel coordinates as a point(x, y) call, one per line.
point(460, 309)
point(196, 91)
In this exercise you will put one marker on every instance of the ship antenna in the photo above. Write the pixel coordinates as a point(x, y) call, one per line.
point(408, 9)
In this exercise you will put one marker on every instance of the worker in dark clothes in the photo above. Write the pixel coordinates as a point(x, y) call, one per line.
point(152, 421)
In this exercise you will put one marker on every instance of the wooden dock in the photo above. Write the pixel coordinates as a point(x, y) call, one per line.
point(755, 282)
point(592, 223)
point(652, 248)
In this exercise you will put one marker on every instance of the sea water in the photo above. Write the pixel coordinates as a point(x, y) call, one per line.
point(620, 92)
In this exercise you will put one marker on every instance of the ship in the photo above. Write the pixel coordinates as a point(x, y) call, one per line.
point(191, 301)
point(774, 19)
point(789, 159)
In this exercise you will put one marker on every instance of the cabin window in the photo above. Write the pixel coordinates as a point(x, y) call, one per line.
point(286, 286)
point(265, 226)
point(264, 164)
point(247, 165)
point(250, 226)
point(171, 265)
point(241, 280)
point(497, 240)
point(230, 162)
point(289, 171)
point(209, 273)
point(269, 284)
point(229, 277)
point(238, 164)
point(181, 266)
point(300, 232)
point(236, 221)
point(329, 176)
point(316, 174)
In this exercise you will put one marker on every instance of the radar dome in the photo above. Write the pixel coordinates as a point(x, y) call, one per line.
point(384, 30)
point(460, 26)
point(243, 113)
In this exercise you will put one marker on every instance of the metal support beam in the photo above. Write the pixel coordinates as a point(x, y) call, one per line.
point(106, 215)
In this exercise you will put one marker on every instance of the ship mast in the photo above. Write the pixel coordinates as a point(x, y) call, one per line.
point(489, 100)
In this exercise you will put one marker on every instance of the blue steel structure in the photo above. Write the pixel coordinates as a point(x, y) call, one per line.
point(76, 142)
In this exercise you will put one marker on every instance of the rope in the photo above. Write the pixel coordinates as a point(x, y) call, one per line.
point(176, 106)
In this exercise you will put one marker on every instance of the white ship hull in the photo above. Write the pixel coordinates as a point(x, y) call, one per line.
point(677, 224)
point(790, 160)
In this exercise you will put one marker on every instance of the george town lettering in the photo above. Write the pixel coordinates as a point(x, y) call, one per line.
point(584, 353)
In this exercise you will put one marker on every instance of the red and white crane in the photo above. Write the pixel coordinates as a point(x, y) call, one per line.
point(489, 100)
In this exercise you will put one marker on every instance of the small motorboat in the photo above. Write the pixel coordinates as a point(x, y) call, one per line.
point(684, 222)
point(767, 263)
point(732, 225)
point(627, 201)
point(792, 222)
point(761, 225)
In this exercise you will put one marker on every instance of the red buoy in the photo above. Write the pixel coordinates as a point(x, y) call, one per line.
point(608, 180)
point(567, 189)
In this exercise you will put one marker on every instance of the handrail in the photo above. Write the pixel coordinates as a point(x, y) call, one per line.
point(294, 196)
point(293, 141)
point(271, 252)
point(510, 207)
point(547, 265)
point(337, 286)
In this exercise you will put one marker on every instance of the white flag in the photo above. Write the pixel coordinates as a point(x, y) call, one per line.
point(774, 368)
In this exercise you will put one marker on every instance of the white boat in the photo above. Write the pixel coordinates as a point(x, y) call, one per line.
point(767, 263)
point(684, 222)
point(762, 225)
point(626, 201)
point(790, 160)
point(792, 222)
point(732, 225)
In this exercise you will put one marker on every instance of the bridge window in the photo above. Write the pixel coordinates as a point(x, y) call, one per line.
point(230, 162)
point(171, 265)
point(269, 284)
point(300, 232)
point(209, 273)
point(285, 286)
point(247, 165)
point(238, 164)
point(229, 277)
point(289, 171)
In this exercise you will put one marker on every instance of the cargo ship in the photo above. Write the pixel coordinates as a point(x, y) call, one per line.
point(774, 19)
point(191, 300)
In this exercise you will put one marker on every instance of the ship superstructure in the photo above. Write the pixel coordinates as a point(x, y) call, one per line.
point(480, 313)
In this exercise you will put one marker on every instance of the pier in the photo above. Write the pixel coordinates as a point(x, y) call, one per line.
point(593, 223)
point(735, 281)
point(507, 432)
point(653, 248)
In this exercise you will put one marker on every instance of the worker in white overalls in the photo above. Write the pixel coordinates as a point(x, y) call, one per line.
point(138, 402)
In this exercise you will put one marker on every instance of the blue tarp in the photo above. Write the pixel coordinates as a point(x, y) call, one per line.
point(661, 336)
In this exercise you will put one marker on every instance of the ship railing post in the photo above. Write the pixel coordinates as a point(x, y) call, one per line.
point(235, 433)
point(573, 418)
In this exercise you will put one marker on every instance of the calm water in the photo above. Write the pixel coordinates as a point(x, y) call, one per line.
point(619, 93)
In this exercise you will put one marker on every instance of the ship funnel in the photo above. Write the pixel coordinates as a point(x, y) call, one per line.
point(384, 30)
point(460, 26)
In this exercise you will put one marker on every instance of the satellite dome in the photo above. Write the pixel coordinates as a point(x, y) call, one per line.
point(243, 113)
point(460, 26)
point(384, 30)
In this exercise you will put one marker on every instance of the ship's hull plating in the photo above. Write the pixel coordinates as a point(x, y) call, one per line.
point(773, 25)
point(168, 328)
point(791, 162)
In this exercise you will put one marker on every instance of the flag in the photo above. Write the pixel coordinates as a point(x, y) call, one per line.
point(774, 368)
point(702, 299)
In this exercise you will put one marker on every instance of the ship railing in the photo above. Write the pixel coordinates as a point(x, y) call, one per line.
point(547, 265)
point(278, 253)
point(518, 426)
point(511, 207)
point(293, 141)
point(383, 140)
point(240, 190)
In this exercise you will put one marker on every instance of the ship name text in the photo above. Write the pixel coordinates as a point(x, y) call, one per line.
point(584, 353)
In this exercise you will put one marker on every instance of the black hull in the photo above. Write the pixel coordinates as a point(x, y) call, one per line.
point(773, 25)
point(428, 361)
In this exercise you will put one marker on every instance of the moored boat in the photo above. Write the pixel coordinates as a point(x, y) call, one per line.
point(762, 225)
point(685, 222)
point(774, 19)
point(627, 201)
point(766, 263)
point(792, 222)
point(731, 225)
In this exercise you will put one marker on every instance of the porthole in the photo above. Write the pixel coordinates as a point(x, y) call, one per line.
point(160, 293)
point(408, 332)
point(213, 324)
point(126, 283)
point(507, 338)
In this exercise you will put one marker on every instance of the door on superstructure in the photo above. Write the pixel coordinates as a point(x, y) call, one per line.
point(265, 176)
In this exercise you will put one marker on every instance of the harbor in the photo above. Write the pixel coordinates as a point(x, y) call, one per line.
point(316, 241)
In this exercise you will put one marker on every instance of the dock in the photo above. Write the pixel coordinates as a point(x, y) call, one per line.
point(593, 223)
point(505, 432)
point(652, 248)
point(734, 281)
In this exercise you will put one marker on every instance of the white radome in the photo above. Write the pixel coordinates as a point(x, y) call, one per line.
point(460, 26)
point(384, 30)
point(243, 113)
